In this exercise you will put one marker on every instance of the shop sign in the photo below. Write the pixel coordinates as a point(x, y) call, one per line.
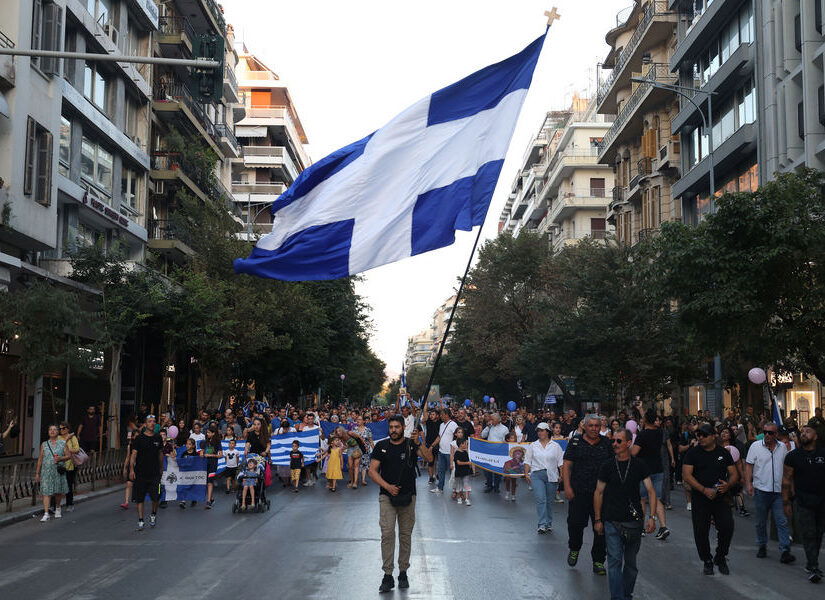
point(781, 378)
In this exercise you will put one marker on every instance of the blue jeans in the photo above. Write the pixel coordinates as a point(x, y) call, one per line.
point(771, 501)
point(545, 494)
point(493, 480)
point(443, 467)
point(622, 547)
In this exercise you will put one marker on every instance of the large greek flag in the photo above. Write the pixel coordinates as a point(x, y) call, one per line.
point(184, 477)
point(240, 448)
point(404, 189)
point(280, 446)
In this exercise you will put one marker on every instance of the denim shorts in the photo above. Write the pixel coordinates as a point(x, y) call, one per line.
point(656, 479)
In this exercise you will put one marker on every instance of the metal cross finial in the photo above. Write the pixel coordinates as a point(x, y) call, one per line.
point(552, 15)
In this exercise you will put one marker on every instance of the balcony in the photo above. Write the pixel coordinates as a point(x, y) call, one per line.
point(569, 202)
point(228, 141)
point(645, 96)
point(167, 166)
point(172, 98)
point(175, 31)
point(562, 165)
point(275, 117)
point(270, 157)
point(6, 64)
point(230, 86)
point(655, 27)
point(164, 239)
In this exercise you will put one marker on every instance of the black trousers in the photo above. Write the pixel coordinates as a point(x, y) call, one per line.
point(703, 510)
point(811, 522)
point(70, 477)
point(579, 512)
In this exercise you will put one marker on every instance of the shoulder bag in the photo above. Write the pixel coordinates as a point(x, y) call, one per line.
point(400, 499)
point(61, 468)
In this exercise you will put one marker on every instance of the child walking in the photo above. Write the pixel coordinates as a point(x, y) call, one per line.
point(231, 456)
point(462, 473)
point(249, 478)
point(296, 463)
point(335, 464)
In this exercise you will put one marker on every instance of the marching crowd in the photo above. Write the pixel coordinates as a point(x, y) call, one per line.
point(617, 473)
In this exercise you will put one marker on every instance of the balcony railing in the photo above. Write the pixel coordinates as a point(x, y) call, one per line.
point(5, 41)
point(657, 73)
point(229, 75)
point(162, 229)
point(166, 89)
point(652, 10)
point(216, 12)
point(618, 194)
point(175, 26)
point(224, 130)
point(644, 166)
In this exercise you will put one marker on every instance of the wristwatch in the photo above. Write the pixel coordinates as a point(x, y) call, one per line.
point(654, 518)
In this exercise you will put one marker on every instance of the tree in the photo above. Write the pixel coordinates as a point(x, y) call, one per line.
point(750, 279)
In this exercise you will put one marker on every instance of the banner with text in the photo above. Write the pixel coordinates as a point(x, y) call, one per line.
point(503, 458)
point(184, 478)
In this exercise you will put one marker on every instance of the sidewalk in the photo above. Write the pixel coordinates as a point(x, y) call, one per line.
point(25, 512)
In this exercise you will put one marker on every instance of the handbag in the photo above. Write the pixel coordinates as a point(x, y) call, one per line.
point(80, 457)
point(400, 499)
point(61, 468)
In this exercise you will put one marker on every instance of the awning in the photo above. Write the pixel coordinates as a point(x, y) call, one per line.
point(246, 131)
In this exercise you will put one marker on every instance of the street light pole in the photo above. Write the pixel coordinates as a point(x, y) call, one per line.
point(342, 387)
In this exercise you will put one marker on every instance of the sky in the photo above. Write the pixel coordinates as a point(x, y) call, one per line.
point(353, 65)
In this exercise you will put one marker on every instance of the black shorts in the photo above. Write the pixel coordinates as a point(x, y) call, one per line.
point(230, 472)
point(143, 487)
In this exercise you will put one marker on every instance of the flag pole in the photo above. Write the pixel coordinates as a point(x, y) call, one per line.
point(452, 315)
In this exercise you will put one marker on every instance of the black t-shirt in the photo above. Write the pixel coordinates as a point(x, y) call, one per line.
point(709, 466)
point(397, 464)
point(808, 471)
point(650, 443)
point(147, 461)
point(295, 458)
point(587, 458)
point(617, 495)
point(431, 431)
point(255, 444)
point(462, 470)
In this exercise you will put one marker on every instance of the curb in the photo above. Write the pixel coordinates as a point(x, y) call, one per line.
point(26, 514)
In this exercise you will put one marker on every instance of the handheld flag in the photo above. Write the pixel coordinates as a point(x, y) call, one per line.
point(404, 189)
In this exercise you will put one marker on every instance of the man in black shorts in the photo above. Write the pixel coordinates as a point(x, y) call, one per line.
point(145, 468)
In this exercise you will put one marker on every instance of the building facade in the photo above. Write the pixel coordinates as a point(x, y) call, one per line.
point(272, 139)
point(639, 144)
point(562, 190)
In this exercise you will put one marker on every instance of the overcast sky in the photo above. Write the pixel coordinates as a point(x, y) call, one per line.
point(352, 66)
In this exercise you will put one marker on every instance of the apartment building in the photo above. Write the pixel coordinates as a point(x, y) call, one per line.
point(563, 189)
point(639, 144)
point(74, 163)
point(272, 138)
point(419, 349)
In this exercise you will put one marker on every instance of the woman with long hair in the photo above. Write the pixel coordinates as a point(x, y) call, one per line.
point(72, 447)
point(212, 450)
point(52, 479)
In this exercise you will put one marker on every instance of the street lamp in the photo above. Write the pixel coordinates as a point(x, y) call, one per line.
point(342, 387)
point(677, 89)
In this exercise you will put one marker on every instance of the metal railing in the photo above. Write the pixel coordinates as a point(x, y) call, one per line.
point(5, 41)
point(216, 12)
point(162, 229)
point(224, 130)
point(644, 166)
point(175, 25)
point(657, 73)
point(652, 10)
point(17, 479)
point(229, 75)
point(166, 89)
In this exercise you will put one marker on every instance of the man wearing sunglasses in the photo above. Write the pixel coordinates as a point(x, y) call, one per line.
point(709, 471)
point(764, 467)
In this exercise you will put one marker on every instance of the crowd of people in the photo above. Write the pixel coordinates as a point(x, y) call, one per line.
point(617, 473)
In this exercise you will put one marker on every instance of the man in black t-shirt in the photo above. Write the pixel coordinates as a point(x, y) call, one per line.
point(709, 471)
point(619, 514)
point(582, 460)
point(803, 483)
point(145, 468)
point(392, 467)
point(648, 447)
point(431, 426)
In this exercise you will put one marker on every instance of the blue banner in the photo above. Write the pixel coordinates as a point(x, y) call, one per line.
point(504, 458)
point(184, 478)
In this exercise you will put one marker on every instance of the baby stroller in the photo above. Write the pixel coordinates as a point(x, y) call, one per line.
point(261, 503)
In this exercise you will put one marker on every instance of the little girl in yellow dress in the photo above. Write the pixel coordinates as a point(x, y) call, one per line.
point(334, 464)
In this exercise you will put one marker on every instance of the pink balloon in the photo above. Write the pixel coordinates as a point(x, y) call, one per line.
point(172, 432)
point(632, 426)
point(757, 376)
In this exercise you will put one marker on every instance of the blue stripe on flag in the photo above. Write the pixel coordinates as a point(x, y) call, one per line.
point(280, 446)
point(328, 427)
point(484, 89)
point(184, 478)
point(297, 258)
point(380, 430)
point(461, 205)
point(240, 448)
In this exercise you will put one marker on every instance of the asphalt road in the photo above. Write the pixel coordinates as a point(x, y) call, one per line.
point(321, 545)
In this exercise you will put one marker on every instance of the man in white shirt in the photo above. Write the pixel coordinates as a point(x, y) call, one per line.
point(541, 470)
point(494, 432)
point(446, 431)
point(764, 467)
point(409, 421)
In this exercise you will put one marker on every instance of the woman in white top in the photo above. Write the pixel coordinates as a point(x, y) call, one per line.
point(541, 470)
point(518, 429)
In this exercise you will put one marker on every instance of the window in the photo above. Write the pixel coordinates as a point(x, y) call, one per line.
point(99, 9)
point(65, 151)
point(88, 236)
point(95, 86)
point(800, 121)
point(597, 228)
point(131, 117)
point(47, 34)
point(96, 166)
point(37, 175)
point(129, 192)
point(597, 187)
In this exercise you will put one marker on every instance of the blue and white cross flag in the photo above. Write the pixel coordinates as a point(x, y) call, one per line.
point(403, 190)
point(280, 446)
point(184, 478)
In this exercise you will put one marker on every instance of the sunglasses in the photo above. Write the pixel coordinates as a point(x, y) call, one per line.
point(618, 442)
point(769, 432)
point(701, 434)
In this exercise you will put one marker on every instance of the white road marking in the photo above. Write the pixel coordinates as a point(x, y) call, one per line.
point(28, 568)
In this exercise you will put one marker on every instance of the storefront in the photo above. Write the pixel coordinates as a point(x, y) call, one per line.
point(12, 391)
point(797, 391)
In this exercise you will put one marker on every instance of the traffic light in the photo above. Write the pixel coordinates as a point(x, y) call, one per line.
point(207, 83)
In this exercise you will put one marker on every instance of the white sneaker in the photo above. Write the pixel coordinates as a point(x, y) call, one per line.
point(45, 517)
point(689, 506)
point(467, 502)
point(58, 514)
point(436, 491)
point(512, 498)
point(459, 501)
point(152, 520)
point(506, 495)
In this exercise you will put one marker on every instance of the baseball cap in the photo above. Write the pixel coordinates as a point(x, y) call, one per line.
point(707, 429)
point(543, 425)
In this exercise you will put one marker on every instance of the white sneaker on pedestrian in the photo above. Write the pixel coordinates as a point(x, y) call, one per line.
point(689, 506)
point(45, 517)
point(153, 520)
point(467, 502)
point(58, 513)
point(506, 496)
point(512, 497)
point(459, 501)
